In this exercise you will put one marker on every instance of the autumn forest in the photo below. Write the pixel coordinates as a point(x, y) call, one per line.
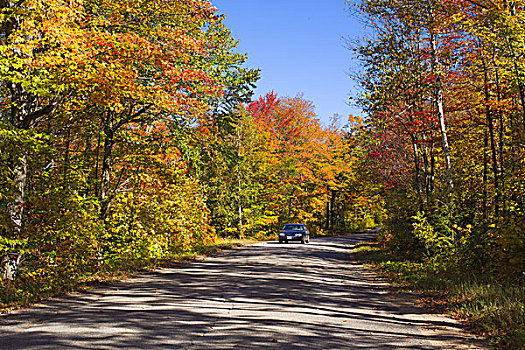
point(129, 133)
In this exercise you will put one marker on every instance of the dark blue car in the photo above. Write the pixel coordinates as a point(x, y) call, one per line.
point(294, 232)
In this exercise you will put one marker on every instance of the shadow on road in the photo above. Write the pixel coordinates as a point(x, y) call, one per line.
point(279, 296)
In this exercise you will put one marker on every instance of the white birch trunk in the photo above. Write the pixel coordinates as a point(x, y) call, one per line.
point(441, 114)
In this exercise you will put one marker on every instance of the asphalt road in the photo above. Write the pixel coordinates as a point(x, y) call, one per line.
point(265, 296)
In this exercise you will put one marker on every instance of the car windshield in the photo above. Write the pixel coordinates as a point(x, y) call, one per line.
point(292, 227)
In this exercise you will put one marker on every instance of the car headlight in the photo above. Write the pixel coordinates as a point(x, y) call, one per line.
point(281, 233)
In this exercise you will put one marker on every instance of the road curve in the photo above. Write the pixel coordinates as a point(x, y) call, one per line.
point(264, 296)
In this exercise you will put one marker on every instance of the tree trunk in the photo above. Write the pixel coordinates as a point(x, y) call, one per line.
point(15, 210)
point(485, 175)
point(97, 162)
point(441, 115)
point(332, 208)
point(418, 172)
point(521, 91)
point(239, 183)
point(66, 156)
point(241, 232)
point(519, 76)
point(432, 169)
point(26, 109)
point(20, 118)
point(501, 138)
point(327, 226)
point(290, 202)
point(86, 167)
point(106, 171)
point(426, 173)
point(490, 122)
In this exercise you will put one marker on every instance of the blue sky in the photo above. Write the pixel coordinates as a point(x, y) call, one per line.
point(299, 47)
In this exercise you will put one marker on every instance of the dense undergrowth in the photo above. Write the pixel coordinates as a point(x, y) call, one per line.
point(492, 307)
point(30, 288)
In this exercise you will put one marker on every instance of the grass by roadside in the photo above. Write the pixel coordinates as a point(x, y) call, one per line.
point(491, 308)
point(28, 291)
